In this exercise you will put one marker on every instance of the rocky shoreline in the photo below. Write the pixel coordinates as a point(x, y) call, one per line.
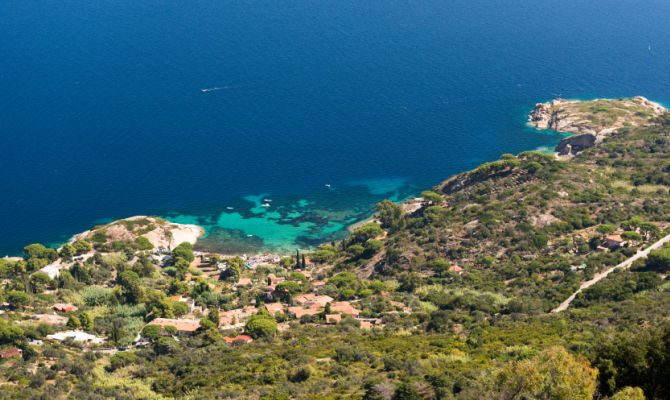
point(591, 121)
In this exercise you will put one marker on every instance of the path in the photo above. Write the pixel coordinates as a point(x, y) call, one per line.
point(640, 254)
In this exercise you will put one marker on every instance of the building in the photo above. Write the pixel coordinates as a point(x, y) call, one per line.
point(274, 308)
point(311, 299)
point(456, 269)
point(181, 299)
point(333, 318)
point(345, 307)
point(52, 270)
point(245, 338)
point(184, 326)
point(614, 240)
point(317, 285)
point(76, 336)
point(10, 352)
point(64, 308)
point(298, 311)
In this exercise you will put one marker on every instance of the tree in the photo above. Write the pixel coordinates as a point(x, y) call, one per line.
point(367, 231)
point(86, 321)
point(67, 251)
point(129, 290)
point(151, 332)
point(297, 258)
point(553, 374)
point(261, 325)
point(391, 215)
point(66, 280)
point(409, 281)
point(432, 197)
point(143, 243)
point(629, 393)
point(288, 289)
point(166, 345)
point(17, 299)
point(606, 229)
point(631, 236)
point(214, 316)
point(73, 322)
point(35, 250)
point(659, 260)
point(179, 308)
point(406, 391)
point(82, 246)
point(39, 281)
point(304, 264)
point(158, 305)
point(185, 251)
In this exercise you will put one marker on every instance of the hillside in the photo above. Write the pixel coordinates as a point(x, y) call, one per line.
point(446, 297)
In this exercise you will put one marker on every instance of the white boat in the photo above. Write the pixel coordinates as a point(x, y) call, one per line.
point(229, 208)
point(267, 200)
point(266, 204)
point(327, 185)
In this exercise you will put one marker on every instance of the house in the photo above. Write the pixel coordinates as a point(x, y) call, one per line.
point(366, 324)
point(298, 311)
point(274, 308)
point(614, 240)
point(309, 263)
point(311, 299)
point(64, 308)
point(456, 269)
point(345, 307)
point(245, 338)
point(52, 270)
point(333, 318)
point(184, 299)
point(76, 336)
point(317, 285)
point(184, 326)
point(601, 249)
point(237, 315)
point(10, 352)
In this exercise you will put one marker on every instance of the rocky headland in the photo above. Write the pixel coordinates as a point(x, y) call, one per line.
point(159, 232)
point(591, 121)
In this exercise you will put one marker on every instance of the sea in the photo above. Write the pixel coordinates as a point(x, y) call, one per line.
point(278, 124)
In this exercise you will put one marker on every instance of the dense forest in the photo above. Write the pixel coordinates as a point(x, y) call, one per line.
point(449, 299)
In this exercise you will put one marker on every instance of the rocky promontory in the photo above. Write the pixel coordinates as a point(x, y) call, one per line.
point(159, 232)
point(593, 120)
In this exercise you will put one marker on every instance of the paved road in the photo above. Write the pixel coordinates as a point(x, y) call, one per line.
point(640, 254)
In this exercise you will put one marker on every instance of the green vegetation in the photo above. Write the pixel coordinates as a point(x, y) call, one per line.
point(449, 301)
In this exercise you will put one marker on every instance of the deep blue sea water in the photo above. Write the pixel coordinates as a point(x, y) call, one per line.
point(102, 113)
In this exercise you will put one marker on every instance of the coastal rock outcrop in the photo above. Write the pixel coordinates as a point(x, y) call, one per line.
point(159, 232)
point(592, 121)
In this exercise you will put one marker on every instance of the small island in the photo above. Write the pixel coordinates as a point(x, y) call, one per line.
point(593, 120)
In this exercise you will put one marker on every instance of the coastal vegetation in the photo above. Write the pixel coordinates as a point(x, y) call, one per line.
point(450, 300)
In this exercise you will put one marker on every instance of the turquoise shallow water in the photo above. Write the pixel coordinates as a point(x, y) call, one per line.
point(266, 223)
point(182, 109)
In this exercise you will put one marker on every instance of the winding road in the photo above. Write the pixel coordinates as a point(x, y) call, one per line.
point(640, 254)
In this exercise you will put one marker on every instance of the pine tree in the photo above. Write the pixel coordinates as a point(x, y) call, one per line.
point(297, 258)
point(304, 265)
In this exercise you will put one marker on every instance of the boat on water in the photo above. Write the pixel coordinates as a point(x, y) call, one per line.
point(229, 208)
point(267, 200)
point(327, 185)
point(266, 204)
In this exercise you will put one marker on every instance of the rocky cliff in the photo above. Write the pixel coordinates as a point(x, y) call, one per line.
point(593, 120)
